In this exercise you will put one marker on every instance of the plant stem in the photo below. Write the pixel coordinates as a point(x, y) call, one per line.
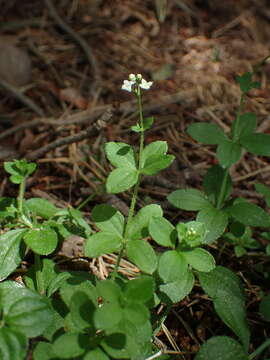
point(136, 187)
point(39, 278)
point(240, 108)
point(222, 189)
point(21, 196)
point(259, 349)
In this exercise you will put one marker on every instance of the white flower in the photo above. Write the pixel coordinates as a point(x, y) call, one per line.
point(138, 80)
point(127, 85)
point(132, 77)
point(145, 85)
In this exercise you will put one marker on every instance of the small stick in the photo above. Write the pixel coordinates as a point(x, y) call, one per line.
point(21, 97)
point(91, 130)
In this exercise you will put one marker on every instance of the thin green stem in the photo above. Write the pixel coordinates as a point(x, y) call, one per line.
point(222, 189)
point(260, 349)
point(21, 196)
point(136, 187)
point(39, 278)
point(240, 108)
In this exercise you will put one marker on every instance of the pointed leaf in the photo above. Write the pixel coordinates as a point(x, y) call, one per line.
point(121, 179)
point(142, 254)
point(102, 243)
point(120, 154)
point(11, 251)
point(26, 311)
point(13, 344)
point(189, 199)
point(206, 133)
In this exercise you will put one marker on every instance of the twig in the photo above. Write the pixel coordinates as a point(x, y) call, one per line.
point(83, 44)
point(91, 130)
point(21, 97)
point(90, 115)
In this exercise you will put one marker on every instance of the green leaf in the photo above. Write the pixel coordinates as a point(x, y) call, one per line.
point(8, 208)
point(188, 199)
point(109, 291)
point(108, 219)
point(13, 344)
point(41, 207)
point(221, 348)
point(48, 273)
point(42, 241)
point(179, 289)
point(162, 231)
point(19, 168)
point(258, 143)
point(212, 183)
point(215, 221)
point(114, 345)
point(142, 254)
point(172, 266)
point(228, 153)
point(265, 191)
point(136, 313)
point(78, 283)
point(120, 155)
point(57, 282)
point(11, 251)
point(206, 133)
point(246, 125)
point(43, 351)
point(200, 259)
point(156, 164)
point(139, 290)
point(229, 301)
point(138, 226)
point(154, 158)
point(121, 179)
point(265, 307)
point(249, 214)
point(102, 243)
point(81, 310)
point(107, 316)
point(96, 354)
point(26, 311)
point(246, 83)
point(70, 345)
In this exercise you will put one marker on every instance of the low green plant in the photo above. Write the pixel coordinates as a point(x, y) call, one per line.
point(74, 315)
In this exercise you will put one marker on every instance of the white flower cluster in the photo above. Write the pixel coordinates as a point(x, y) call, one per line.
point(136, 79)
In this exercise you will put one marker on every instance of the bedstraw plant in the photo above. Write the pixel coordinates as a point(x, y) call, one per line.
point(60, 314)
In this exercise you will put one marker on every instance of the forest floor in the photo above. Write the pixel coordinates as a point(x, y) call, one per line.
point(193, 53)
